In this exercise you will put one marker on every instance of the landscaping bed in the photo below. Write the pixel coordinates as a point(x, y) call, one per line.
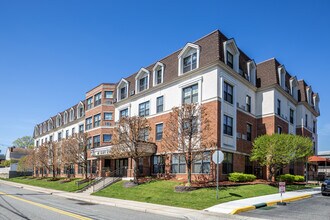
point(162, 192)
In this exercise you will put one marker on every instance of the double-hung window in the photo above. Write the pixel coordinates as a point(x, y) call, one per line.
point(144, 134)
point(96, 141)
point(228, 92)
point(178, 163)
point(248, 103)
point(278, 107)
point(159, 132)
point(108, 94)
point(97, 99)
point(123, 113)
point(158, 164)
point(248, 132)
point(66, 134)
point(291, 116)
point(159, 76)
point(144, 109)
point(89, 103)
point(160, 104)
point(97, 120)
point(230, 59)
point(228, 125)
point(306, 120)
point(123, 92)
point(143, 83)
point(88, 123)
point(190, 62)
point(190, 94)
point(202, 163)
point(89, 143)
point(59, 136)
point(107, 115)
point(227, 164)
point(81, 128)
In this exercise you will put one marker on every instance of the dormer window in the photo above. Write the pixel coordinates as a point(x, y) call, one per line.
point(281, 76)
point(316, 99)
point(50, 124)
point(142, 80)
point(190, 62)
point(65, 117)
point(230, 59)
point(71, 115)
point(122, 90)
point(58, 120)
point(158, 73)
point(309, 94)
point(231, 54)
point(251, 66)
point(80, 110)
point(188, 58)
point(294, 88)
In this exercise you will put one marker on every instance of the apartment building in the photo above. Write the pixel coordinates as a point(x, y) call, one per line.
point(245, 99)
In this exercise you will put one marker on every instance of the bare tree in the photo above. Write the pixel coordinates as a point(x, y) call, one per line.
point(131, 139)
point(47, 157)
point(74, 151)
point(28, 162)
point(189, 133)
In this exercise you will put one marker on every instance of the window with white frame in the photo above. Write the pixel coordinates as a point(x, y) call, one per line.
point(228, 125)
point(80, 110)
point(107, 115)
point(89, 124)
point(190, 94)
point(190, 62)
point(122, 90)
point(58, 121)
point(89, 103)
point(230, 59)
point(108, 94)
point(143, 83)
point(144, 109)
point(188, 58)
point(231, 54)
point(123, 113)
point(228, 92)
point(65, 117)
point(160, 104)
point(142, 80)
point(248, 103)
point(97, 120)
point(158, 73)
point(71, 115)
point(97, 99)
point(144, 134)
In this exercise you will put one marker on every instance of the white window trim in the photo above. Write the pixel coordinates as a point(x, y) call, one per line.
point(138, 76)
point(78, 107)
point(154, 70)
point(226, 47)
point(71, 115)
point(199, 81)
point(251, 66)
point(281, 76)
point(120, 86)
point(294, 88)
point(191, 48)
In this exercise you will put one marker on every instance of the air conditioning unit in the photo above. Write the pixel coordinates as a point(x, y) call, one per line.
point(244, 136)
point(132, 92)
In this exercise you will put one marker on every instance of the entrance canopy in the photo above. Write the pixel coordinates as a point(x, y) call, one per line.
point(318, 159)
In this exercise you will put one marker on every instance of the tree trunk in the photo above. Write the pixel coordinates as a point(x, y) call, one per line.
point(54, 174)
point(270, 176)
point(135, 170)
point(189, 173)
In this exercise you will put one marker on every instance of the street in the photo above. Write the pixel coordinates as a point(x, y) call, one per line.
point(17, 203)
point(315, 208)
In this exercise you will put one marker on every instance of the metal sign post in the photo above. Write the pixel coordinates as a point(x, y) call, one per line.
point(217, 158)
point(281, 189)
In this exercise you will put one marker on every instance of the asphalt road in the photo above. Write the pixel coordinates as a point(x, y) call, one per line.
point(17, 203)
point(314, 208)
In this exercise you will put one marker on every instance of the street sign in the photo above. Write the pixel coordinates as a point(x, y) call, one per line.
point(281, 187)
point(217, 157)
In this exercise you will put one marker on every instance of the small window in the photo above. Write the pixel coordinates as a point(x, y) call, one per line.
point(144, 109)
point(159, 132)
point(89, 143)
point(96, 141)
point(279, 130)
point(248, 103)
point(123, 92)
point(178, 163)
point(159, 76)
point(73, 130)
point(88, 123)
point(278, 107)
point(248, 132)
point(190, 94)
point(108, 94)
point(306, 120)
point(107, 116)
point(228, 125)
point(51, 138)
point(107, 137)
point(160, 104)
point(227, 164)
point(81, 128)
point(124, 113)
point(230, 59)
point(143, 83)
point(97, 120)
point(228, 93)
point(201, 163)
point(89, 103)
point(97, 99)
point(291, 116)
point(190, 62)
point(59, 136)
point(314, 126)
point(66, 134)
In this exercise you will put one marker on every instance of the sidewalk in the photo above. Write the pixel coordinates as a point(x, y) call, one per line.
point(176, 212)
point(237, 206)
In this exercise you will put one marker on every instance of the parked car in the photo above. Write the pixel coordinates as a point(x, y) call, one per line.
point(325, 188)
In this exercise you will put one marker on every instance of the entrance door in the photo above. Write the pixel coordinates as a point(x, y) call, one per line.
point(121, 167)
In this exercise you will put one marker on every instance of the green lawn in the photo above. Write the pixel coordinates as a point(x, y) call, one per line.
point(162, 192)
point(69, 187)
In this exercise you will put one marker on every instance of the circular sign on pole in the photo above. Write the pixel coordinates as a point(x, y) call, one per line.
point(217, 157)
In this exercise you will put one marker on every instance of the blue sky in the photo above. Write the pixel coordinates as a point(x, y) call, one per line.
point(52, 52)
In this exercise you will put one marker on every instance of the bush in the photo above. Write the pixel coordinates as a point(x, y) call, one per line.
point(288, 178)
point(241, 177)
point(298, 178)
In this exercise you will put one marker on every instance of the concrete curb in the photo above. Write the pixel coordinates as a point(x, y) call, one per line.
point(271, 203)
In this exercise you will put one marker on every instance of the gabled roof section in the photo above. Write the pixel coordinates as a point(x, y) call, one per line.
point(141, 71)
point(157, 65)
point(187, 47)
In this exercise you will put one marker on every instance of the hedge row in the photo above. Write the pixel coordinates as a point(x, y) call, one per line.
point(241, 177)
point(288, 178)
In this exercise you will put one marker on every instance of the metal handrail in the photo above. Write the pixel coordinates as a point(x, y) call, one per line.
point(114, 174)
